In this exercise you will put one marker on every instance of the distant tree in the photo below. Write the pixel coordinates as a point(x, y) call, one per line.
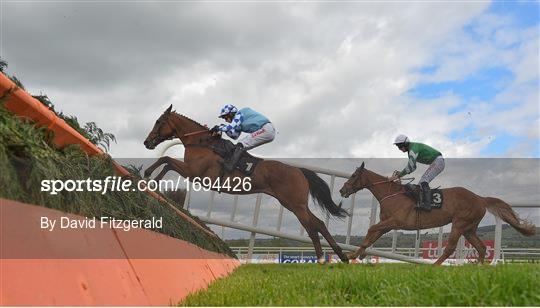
point(3, 65)
point(17, 82)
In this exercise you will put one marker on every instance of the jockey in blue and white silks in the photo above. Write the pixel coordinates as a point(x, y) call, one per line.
point(259, 130)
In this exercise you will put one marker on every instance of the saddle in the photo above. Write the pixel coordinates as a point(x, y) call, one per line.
point(414, 192)
point(247, 162)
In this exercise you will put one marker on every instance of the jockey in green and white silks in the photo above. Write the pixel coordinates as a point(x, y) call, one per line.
point(424, 154)
point(259, 130)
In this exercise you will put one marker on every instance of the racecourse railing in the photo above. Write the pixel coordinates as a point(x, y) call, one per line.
point(510, 254)
point(390, 253)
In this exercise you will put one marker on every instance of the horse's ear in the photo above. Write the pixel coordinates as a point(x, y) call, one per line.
point(362, 166)
point(168, 109)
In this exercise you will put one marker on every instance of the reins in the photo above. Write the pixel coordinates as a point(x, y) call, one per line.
point(195, 133)
point(401, 191)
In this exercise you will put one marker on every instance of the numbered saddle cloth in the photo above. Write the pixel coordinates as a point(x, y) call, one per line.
point(414, 192)
point(247, 162)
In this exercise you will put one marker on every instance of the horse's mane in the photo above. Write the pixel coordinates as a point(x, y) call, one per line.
point(191, 120)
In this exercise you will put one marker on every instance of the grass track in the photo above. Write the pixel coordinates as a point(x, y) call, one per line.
point(374, 285)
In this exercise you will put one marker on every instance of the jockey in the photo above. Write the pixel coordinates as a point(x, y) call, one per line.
point(424, 154)
point(260, 130)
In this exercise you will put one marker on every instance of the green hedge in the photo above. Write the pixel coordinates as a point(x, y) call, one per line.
point(27, 156)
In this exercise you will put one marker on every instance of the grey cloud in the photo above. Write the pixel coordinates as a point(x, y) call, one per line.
point(330, 76)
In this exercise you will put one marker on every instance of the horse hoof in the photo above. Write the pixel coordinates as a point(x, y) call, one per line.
point(351, 255)
point(321, 261)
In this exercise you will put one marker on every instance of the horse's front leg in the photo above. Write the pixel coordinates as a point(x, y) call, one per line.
point(175, 165)
point(160, 161)
point(373, 234)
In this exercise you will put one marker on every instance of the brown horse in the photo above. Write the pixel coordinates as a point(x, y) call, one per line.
point(291, 186)
point(461, 207)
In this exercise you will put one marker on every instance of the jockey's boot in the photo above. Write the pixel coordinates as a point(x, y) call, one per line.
point(426, 197)
point(231, 162)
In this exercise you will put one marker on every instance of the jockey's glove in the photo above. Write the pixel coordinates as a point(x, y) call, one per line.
point(215, 129)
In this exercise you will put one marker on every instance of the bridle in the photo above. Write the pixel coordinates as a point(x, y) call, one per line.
point(401, 191)
point(162, 122)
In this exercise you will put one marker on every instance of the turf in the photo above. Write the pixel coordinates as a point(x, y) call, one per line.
point(374, 285)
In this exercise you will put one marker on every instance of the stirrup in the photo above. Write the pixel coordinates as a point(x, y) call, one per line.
point(228, 166)
point(422, 207)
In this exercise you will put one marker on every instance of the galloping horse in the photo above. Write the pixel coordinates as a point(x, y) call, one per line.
point(461, 207)
point(289, 185)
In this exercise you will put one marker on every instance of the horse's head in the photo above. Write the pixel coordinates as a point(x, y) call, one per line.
point(356, 182)
point(163, 130)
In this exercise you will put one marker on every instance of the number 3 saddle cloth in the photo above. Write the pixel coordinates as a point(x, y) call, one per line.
point(414, 192)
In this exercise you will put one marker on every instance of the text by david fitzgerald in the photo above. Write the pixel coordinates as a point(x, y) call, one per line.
point(100, 223)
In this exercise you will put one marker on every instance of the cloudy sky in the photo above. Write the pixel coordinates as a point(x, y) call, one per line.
point(338, 79)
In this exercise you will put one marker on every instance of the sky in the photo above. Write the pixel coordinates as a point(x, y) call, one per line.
point(338, 79)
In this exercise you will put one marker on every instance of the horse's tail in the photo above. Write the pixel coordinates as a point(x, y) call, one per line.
point(503, 210)
point(320, 192)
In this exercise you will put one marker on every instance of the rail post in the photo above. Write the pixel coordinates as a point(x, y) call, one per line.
point(349, 222)
point(280, 218)
point(188, 196)
point(254, 224)
point(460, 253)
point(373, 212)
point(235, 208)
point(497, 241)
point(211, 205)
point(417, 245)
point(394, 240)
point(332, 183)
point(439, 241)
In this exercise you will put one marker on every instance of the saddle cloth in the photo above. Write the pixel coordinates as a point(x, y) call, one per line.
point(414, 191)
point(246, 164)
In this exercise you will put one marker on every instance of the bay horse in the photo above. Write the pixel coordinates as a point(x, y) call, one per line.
point(461, 207)
point(291, 186)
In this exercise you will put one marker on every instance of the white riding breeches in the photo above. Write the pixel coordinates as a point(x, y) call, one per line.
point(264, 135)
point(436, 167)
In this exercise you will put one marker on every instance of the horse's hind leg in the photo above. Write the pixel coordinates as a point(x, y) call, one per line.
point(303, 214)
point(477, 243)
point(314, 236)
point(321, 228)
